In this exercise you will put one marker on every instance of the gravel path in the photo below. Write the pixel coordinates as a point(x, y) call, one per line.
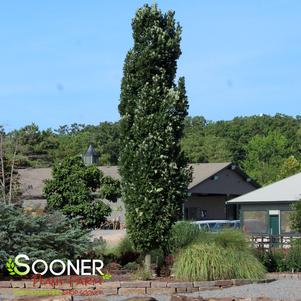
point(286, 289)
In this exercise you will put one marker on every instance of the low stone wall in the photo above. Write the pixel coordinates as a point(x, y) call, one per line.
point(283, 276)
point(173, 298)
point(128, 287)
point(185, 298)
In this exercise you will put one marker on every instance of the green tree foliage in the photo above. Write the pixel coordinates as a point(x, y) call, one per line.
point(289, 167)
point(241, 130)
point(202, 146)
point(50, 236)
point(34, 146)
point(203, 141)
point(295, 216)
point(110, 189)
point(70, 190)
point(206, 149)
point(293, 259)
point(152, 109)
point(265, 155)
point(74, 140)
point(41, 148)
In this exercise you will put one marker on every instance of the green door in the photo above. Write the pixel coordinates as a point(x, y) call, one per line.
point(274, 224)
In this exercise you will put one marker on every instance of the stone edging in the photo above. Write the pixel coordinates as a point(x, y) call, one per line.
point(281, 275)
point(136, 287)
point(186, 298)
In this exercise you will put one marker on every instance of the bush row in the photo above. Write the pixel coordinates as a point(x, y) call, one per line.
point(281, 260)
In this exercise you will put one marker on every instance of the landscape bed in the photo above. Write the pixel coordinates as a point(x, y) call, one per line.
point(131, 287)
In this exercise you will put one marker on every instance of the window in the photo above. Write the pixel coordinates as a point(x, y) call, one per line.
point(195, 213)
point(255, 221)
point(203, 213)
point(285, 222)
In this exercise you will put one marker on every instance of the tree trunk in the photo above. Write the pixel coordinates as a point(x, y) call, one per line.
point(147, 262)
point(12, 174)
point(2, 181)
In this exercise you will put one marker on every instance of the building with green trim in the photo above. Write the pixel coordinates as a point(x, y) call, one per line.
point(266, 211)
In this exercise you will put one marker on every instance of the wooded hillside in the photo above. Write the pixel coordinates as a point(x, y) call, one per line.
point(262, 145)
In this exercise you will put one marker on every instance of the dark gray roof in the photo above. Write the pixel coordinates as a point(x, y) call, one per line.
point(286, 190)
point(91, 151)
point(32, 179)
point(203, 171)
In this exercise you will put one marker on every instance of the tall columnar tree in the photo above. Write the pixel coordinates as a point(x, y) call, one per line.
point(153, 107)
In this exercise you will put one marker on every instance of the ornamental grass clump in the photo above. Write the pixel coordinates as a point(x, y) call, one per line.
point(224, 255)
point(230, 238)
point(182, 234)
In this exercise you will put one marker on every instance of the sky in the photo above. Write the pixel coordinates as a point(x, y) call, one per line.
point(61, 60)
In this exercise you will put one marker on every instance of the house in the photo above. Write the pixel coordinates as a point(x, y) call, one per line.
point(266, 211)
point(212, 185)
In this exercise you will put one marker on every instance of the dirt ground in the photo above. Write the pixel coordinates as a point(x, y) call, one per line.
point(112, 237)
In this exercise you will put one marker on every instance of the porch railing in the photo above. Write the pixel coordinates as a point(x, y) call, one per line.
point(273, 241)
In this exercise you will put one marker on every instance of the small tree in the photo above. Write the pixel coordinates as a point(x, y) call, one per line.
point(153, 108)
point(295, 216)
point(9, 184)
point(70, 190)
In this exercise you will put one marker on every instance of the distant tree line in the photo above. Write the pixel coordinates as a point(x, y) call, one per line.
point(42, 148)
point(266, 147)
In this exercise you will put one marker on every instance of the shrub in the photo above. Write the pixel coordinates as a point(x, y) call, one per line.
point(131, 266)
point(294, 257)
point(113, 266)
point(280, 260)
point(157, 257)
point(274, 261)
point(124, 252)
point(127, 257)
point(142, 274)
point(210, 261)
point(50, 236)
point(182, 234)
point(125, 246)
point(98, 248)
point(295, 216)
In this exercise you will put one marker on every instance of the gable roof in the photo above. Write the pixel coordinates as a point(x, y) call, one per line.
point(286, 190)
point(203, 171)
point(90, 151)
point(32, 179)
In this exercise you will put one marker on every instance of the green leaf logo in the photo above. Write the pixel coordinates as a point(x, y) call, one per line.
point(106, 276)
point(10, 265)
